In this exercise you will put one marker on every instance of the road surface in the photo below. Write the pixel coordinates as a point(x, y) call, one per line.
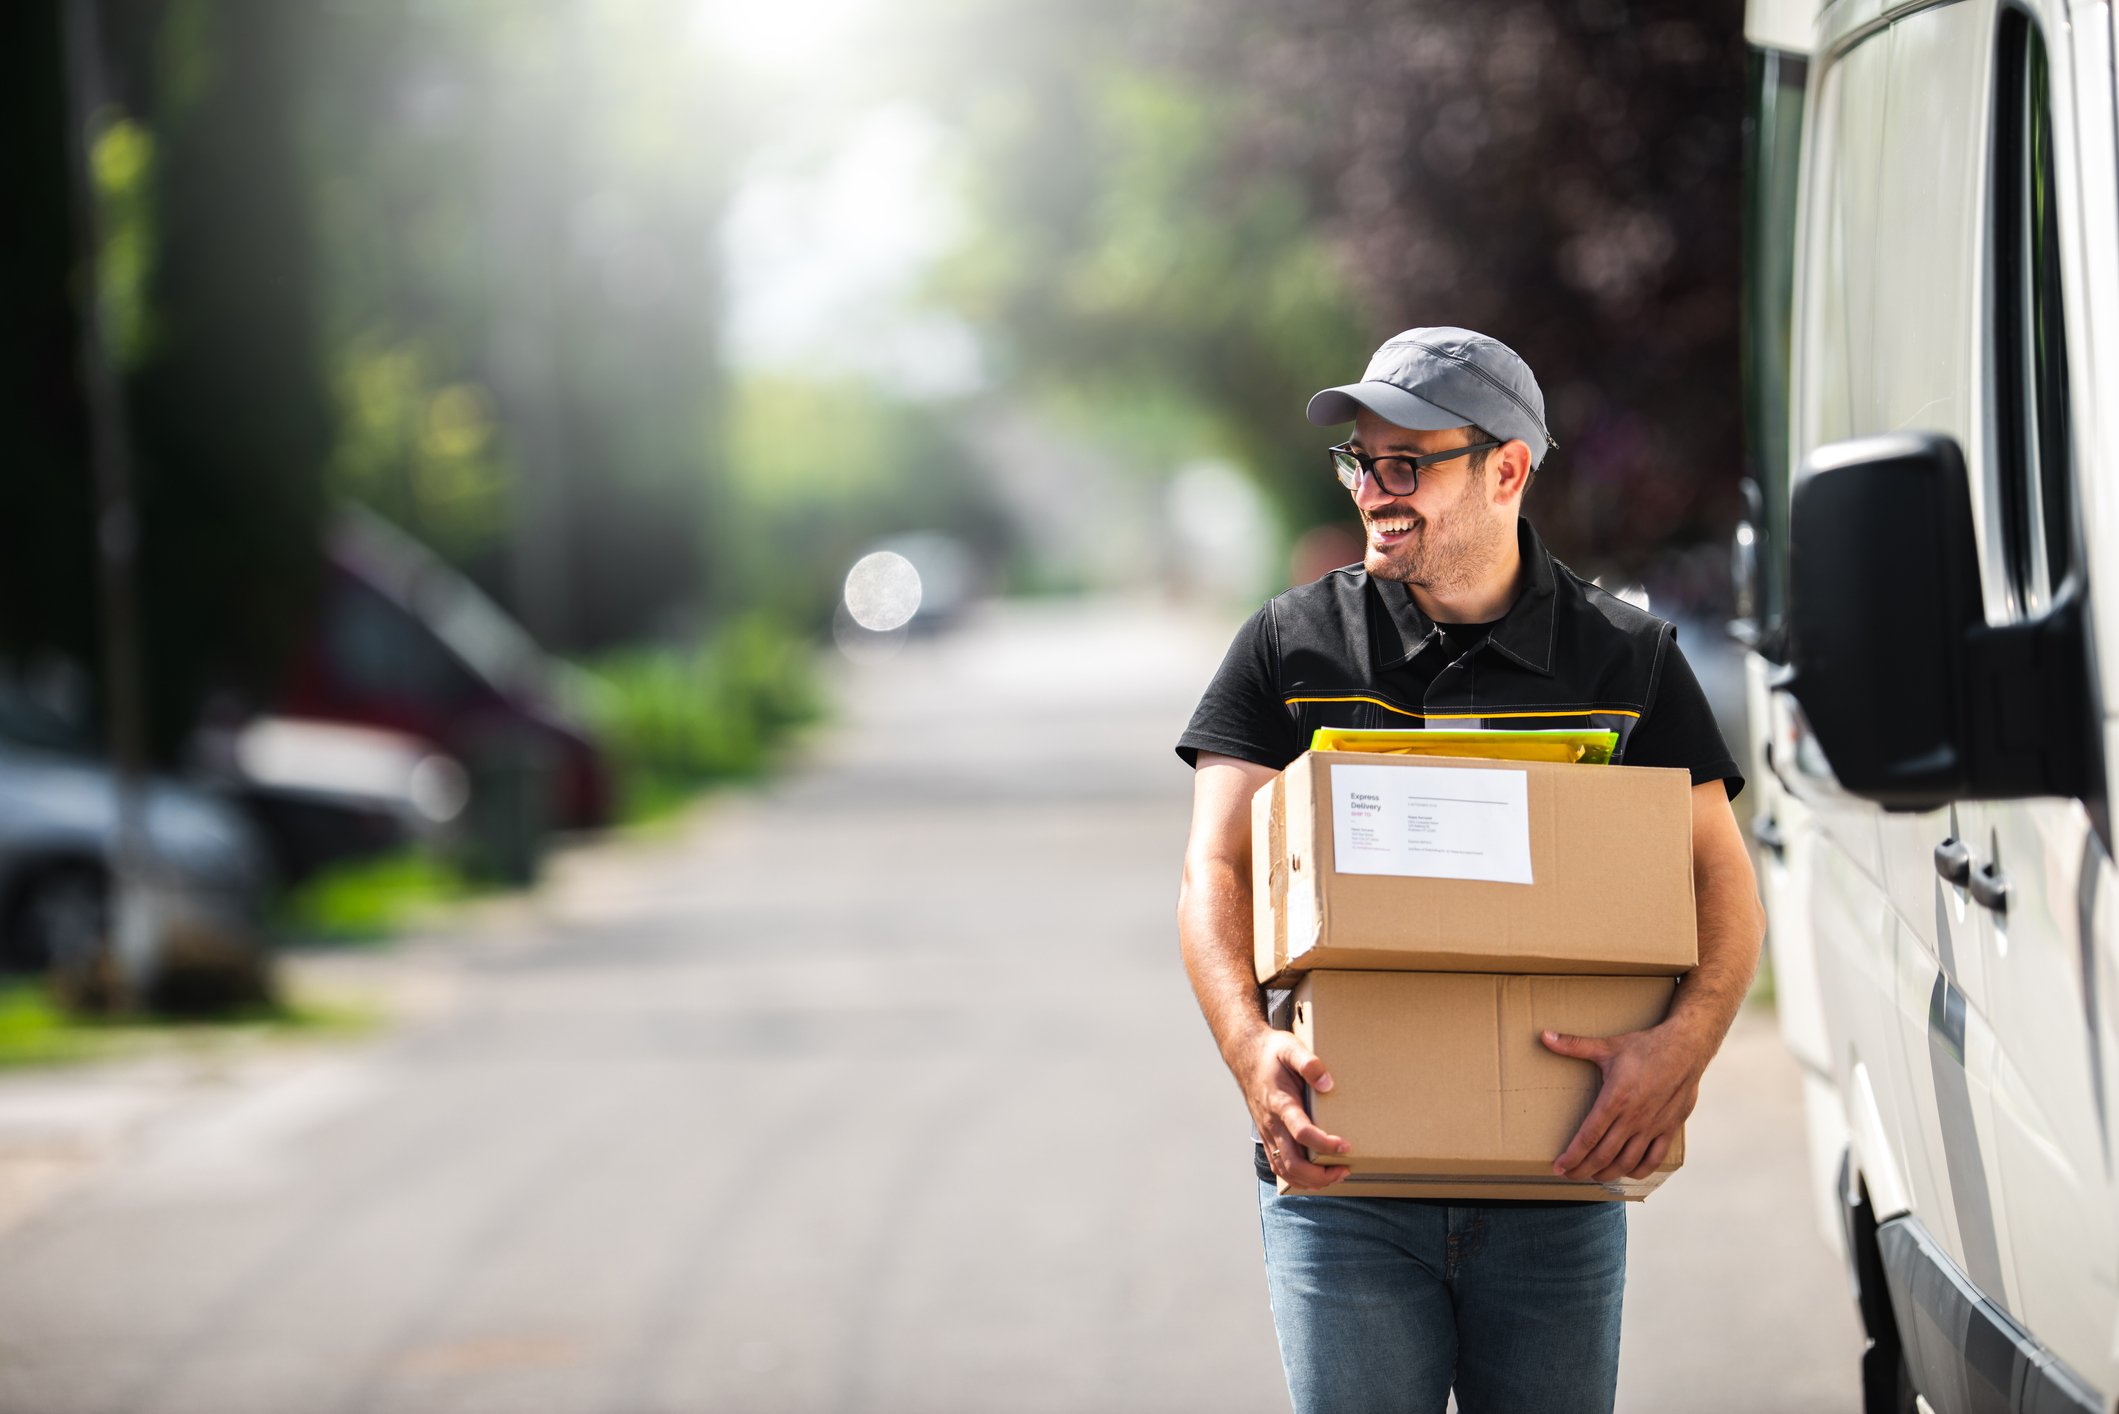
point(877, 1090)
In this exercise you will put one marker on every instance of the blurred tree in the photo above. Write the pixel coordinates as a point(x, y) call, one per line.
point(203, 272)
point(47, 565)
point(231, 419)
point(467, 271)
point(1562, 173)
point(519, 206)
point(1239, 199)
point(1130, 266)
point(811, 502)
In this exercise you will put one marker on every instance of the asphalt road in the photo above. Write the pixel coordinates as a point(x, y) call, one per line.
point(878, 1090)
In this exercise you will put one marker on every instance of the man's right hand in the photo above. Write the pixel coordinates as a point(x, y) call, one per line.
point(1272, 1076)
point(1214, 932)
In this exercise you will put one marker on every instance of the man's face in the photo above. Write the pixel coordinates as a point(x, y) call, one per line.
point(1447, 534)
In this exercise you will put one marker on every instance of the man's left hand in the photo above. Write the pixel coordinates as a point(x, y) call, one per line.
point(1651, 1082)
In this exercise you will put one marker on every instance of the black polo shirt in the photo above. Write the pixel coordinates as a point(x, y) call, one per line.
point(1351, 651)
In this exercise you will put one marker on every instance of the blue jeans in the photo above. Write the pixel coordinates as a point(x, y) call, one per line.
point(1383, 1303)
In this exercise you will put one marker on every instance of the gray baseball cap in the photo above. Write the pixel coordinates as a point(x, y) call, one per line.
point(1429, 379)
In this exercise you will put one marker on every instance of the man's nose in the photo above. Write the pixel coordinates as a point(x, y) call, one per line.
point(1372, 496)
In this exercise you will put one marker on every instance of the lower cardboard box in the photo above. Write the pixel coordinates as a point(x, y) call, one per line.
point(1444, 1089)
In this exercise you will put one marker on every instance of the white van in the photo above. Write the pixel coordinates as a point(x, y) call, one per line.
point(1929, 590)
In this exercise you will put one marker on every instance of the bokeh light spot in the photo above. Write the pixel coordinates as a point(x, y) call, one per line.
point(882, 591)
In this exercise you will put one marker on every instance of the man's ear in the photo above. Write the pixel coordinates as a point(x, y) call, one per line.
point(1511, 465)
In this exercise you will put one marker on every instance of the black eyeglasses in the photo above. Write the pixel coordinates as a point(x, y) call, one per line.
point(1397, 475)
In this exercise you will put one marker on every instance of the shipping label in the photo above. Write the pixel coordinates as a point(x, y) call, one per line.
point(1431, 822)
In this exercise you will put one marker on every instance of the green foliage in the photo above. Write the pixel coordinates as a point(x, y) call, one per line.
point(1229, 204)
point(795, 444)
point(36, 1031)
point(1132, 260)
point(519, 207)
point(459, 261)
point(121, 163)
point(33, 1029)
point(821, 470)
point(371, 899)
point(421, 451)
point(675, 721)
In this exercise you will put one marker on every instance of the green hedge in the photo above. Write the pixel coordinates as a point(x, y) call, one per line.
point(676, 720)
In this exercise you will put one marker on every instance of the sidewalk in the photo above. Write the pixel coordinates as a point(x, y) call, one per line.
point(61, 1123)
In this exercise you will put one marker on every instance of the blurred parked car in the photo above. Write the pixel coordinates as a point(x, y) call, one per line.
point(59, 839)
point(323, 793)
point(404, 642)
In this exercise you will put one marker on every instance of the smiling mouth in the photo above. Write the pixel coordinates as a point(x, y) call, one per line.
point(1388, 530)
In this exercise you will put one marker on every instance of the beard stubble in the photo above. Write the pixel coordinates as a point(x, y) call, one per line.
point(1444, 557)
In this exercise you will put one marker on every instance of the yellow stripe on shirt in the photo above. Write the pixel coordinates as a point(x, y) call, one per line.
point(1468, 716)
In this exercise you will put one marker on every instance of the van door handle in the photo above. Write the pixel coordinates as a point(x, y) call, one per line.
point(1767, 831)
point(1953, 860)
point(1990, 887)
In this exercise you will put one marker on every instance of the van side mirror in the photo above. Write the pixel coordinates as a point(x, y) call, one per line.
point(1914, 699)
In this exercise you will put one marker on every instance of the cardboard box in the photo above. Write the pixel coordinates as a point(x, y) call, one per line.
point(1442, 864)
point(1443, 1087)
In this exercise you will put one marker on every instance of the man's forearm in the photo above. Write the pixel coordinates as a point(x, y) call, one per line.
point(1214, 934)
point(1731, 927)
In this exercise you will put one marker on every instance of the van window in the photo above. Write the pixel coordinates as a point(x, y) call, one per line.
point(1772, 140)
point(2030, 344)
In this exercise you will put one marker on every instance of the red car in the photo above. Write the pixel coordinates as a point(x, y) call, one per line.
point(403, 641)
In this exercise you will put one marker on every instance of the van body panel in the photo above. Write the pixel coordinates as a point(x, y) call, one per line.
point(2090, 205)
point(1966, 1355)
point(1960, 1043)
point(1798, 994)
point(1865, 76)
point(1947, 1050)
point(2050, 1110)
point(1929, 227)
point(1873, 1146)
point(1821, 389)
point(1939, 914)
point(1843, 20)
point(1857, 977)
point(1789, 26)
point(2088, 148)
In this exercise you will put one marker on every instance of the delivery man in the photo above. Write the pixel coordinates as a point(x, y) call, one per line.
point(1456, 616)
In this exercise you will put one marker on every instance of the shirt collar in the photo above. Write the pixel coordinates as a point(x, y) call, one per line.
point(1523, 634)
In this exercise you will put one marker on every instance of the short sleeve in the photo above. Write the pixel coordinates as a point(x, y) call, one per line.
point(1241, 713)
point(1678, 727)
